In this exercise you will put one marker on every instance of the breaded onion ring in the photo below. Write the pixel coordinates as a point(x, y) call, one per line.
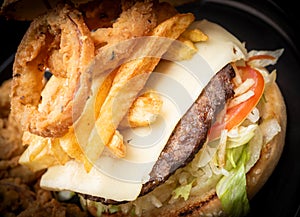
point(59, 41)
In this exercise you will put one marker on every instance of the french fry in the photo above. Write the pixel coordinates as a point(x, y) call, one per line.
point(183, 52)
point(70, 145)
point(35, 144)
point(187, 49)
point(143, 111)
point(194, 35)
point(103, 92)
point(117, 146)
point(131, 78)
point(43, 160)
point(84, 127)
point(44, 152)
point(38, 154)
point(71, 142)
point(57, 151)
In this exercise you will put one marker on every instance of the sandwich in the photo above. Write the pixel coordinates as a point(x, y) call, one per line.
point(158, 114)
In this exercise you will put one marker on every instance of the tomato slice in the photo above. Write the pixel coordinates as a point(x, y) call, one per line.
point(236, 115)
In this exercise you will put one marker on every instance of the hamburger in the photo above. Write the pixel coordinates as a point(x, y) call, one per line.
point(208, 158)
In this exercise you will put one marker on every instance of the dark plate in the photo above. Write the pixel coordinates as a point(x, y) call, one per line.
point(262, 25)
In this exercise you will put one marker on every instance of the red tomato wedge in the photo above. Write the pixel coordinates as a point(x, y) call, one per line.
point(236, 115)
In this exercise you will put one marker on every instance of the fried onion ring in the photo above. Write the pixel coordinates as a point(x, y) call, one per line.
point(59, 41)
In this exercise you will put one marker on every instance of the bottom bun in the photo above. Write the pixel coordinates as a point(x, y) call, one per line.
point(208, 204)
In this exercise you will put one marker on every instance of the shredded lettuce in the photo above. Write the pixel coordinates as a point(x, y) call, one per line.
point(243, 147)
point(232, 156)
point(113, 209)
point(255, 145)
point(243, 142)
point(231, 189)
point(241, 137)
point(100, 208)
point(183, 191)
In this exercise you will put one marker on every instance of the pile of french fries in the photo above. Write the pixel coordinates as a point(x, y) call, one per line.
point(115, 103)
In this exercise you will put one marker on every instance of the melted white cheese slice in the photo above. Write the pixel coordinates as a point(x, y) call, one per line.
point(179, 84)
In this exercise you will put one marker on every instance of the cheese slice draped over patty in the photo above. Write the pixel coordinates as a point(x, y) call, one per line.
point(179, 83)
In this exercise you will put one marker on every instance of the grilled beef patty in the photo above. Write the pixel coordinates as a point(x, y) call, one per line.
point(191, 131)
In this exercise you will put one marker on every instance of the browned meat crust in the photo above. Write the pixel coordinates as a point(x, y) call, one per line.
point(191, 132)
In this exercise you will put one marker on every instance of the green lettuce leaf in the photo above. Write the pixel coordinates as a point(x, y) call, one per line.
point(231, 189)
point(183, 191)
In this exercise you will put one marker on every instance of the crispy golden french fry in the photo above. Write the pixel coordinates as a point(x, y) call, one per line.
point(35, 144)
point(143, 111)
point(188, 43)
point(70, 145)
point(79, 137)
point(174, 26)
point(43, 160)
point(38, 154)
point(188, 48)
point(103, 92)
point(45, 152)
point(131, 78)
point(194, 35)
point(117, 146)
point(57, 151)
point(185, 51)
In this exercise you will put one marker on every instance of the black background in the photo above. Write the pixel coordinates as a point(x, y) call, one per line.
point(263, 25)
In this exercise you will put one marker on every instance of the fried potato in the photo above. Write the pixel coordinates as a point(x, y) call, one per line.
point(143, 111)
point(35, 144)
point(186, 48)
point(57, 151)
point(194, 35)
point(70, 145)
point(117, 146)
point(184, 51)
point(131, 78)
point(44, 152)
point(38, 154)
